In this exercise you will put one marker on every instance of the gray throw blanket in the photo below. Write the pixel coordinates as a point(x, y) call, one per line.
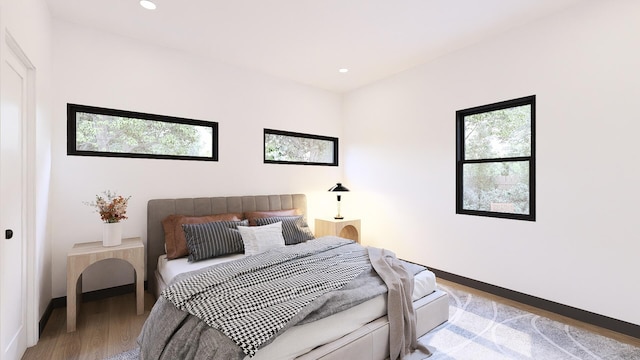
point(175, 330)
point(402, 321)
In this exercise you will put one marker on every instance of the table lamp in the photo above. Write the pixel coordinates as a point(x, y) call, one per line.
point(338, 188)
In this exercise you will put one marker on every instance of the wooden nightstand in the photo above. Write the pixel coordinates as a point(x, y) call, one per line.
point(83, 255)
point(349, 229)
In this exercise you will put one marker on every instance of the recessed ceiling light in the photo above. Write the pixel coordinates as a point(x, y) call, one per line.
point(343, 70)
point(147, 4)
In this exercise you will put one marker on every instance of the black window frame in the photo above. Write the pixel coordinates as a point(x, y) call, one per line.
point(460, 158)
point(73, 109)
point(334, 140)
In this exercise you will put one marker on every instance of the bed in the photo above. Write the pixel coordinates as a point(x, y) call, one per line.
point(328, 338)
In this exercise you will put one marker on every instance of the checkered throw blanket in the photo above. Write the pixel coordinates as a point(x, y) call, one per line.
point(252, 299)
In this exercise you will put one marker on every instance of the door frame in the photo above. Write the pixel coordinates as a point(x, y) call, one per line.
point(9, 44)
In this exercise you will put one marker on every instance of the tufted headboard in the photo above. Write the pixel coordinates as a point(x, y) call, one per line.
point(158, 209)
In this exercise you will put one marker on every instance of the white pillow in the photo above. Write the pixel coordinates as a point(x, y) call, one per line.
point(258, 239)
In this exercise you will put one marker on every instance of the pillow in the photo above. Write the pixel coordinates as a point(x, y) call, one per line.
point(258, 239)
point(213, 239)
point(174, 240)
point(294, 229)
point(253, 215)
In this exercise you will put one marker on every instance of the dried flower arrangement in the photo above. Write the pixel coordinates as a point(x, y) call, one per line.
point(111, 207)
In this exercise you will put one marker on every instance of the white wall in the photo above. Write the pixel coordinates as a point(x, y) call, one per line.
point(29, 24)
point(98, 69)
point(583, 249)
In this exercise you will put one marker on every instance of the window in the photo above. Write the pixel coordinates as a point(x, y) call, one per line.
point(93, 131)
point(495, 160)
point(284, 147)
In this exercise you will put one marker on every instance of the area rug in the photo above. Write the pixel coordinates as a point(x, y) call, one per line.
point(481, 329)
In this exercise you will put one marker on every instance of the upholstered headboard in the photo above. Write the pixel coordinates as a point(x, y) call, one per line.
point(158, 209)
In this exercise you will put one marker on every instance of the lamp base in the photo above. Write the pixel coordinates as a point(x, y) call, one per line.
point(338, 217)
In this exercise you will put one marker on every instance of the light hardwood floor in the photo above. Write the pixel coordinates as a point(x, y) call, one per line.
point(104, 328)
point(110, 326)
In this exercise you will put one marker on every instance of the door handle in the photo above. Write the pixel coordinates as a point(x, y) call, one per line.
point(8, 234)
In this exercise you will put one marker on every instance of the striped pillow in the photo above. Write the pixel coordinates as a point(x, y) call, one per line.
point(208, 240)
point(294, 229)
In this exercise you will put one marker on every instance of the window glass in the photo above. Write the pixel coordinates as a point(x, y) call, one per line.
point(498, 134)
point(495, 160)
point(108, 132)
point(285, 147)
point(498, 186)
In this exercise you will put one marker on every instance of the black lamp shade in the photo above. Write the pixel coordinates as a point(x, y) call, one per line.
point(338, 187)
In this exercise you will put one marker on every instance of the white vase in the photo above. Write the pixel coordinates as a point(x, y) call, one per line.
point(112, 234)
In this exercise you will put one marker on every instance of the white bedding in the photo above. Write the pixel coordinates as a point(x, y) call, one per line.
point(303, 338)
point(168, 269)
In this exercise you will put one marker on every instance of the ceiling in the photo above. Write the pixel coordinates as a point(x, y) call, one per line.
point(307, 41)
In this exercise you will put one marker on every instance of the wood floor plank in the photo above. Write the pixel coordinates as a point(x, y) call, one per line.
point(68, 346)
point(105, 327)
point(122, 324)
point(49, 338)
point(94, 334)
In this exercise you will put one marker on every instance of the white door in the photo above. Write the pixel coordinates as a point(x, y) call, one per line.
point(13, 279)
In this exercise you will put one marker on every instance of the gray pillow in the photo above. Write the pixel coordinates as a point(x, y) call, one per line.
point(294, 229)
point(212, 239)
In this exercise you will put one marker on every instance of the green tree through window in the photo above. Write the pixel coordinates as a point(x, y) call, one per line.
point(284, 147)
point(107, 132)
point(495, 165)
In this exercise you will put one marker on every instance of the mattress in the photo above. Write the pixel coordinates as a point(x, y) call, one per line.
point(168, 269)
point(303, 338)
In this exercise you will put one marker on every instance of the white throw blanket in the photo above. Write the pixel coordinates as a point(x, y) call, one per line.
point(402, 321)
